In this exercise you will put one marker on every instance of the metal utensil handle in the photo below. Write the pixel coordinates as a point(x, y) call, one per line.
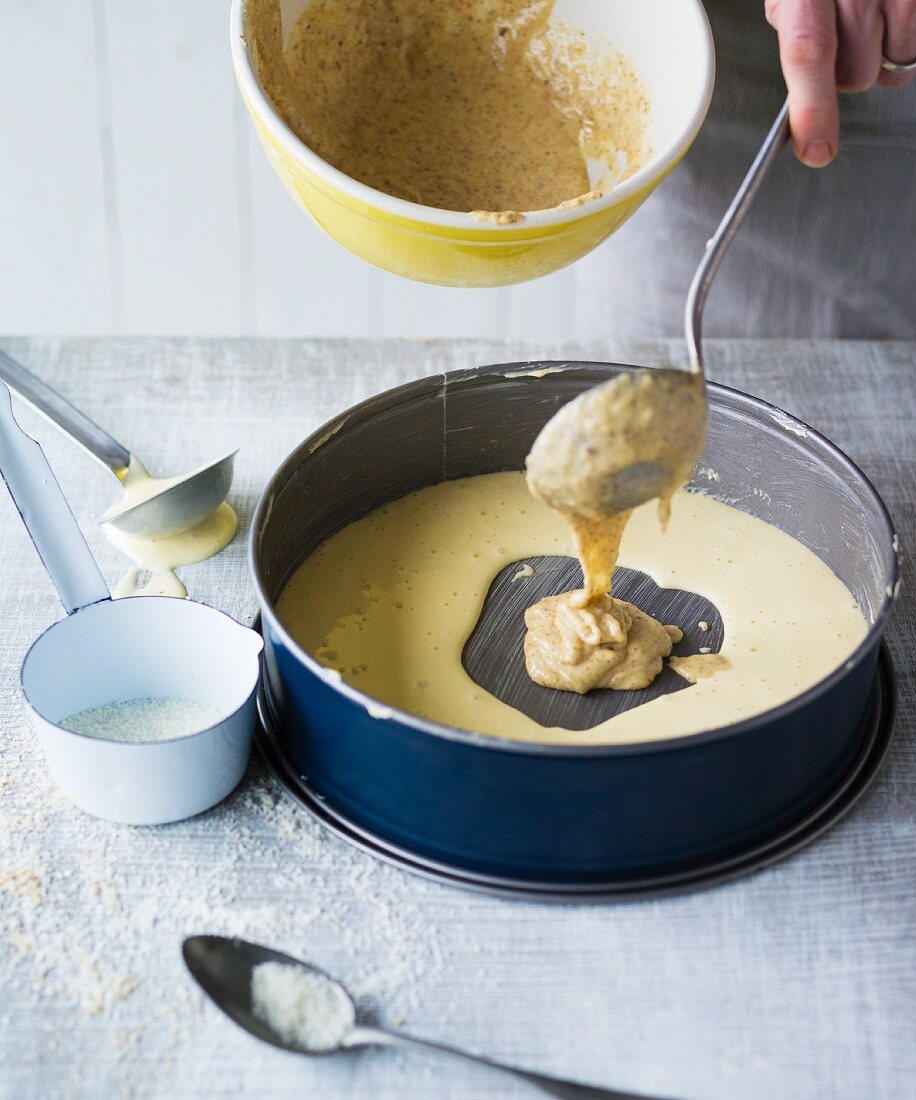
point(776, 140)
point(58, 410)
point(46, 514)
point(550, 1086)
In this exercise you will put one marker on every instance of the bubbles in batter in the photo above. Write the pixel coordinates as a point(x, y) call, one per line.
point(410, 656)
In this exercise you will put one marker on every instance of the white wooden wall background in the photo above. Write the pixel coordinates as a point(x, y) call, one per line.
point(134, 198)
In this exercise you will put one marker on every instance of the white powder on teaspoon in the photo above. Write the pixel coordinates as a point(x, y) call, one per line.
point(304, 1008)
point(162, 718)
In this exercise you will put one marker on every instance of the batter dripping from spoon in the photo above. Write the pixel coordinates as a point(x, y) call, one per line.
point(636, 437)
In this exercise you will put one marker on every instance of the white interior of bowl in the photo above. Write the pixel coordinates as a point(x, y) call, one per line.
point(135, 648)
point(668, 45)
point(668, 41)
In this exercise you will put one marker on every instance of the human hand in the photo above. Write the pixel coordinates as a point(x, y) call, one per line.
point(831, 45)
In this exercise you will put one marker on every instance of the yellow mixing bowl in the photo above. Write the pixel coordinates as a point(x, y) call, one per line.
point(670, 44)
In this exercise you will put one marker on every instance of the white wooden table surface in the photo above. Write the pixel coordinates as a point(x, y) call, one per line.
point(797, 982)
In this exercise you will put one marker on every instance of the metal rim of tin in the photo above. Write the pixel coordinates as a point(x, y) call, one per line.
point(879, 721)
point(512, 371)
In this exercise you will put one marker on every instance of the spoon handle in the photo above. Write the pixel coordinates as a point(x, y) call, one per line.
point(773, 145)
point(550, 1086)
point(59, 412)
point(46, 514)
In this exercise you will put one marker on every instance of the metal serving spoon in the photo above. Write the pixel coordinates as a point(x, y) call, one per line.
point(618, 484)
point(223, 968)
point(179, 504)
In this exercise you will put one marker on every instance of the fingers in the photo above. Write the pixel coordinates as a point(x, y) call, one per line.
point(826, 44)
point(860, 36)
point(899, 40)
point(807, 32)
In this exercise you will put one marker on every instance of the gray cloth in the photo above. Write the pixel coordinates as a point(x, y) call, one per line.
point(823, 253)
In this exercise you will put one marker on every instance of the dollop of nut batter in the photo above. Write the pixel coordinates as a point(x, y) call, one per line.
point(484, 106)
point(605, 643)
point(636, 437)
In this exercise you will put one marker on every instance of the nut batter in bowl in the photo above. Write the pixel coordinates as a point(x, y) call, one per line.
point(482, 106)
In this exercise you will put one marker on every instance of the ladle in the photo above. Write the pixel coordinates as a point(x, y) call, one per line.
point(223, 968)
point(582, 429)
point(173, 505)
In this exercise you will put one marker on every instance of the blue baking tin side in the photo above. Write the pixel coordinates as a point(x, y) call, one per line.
point(520, 811)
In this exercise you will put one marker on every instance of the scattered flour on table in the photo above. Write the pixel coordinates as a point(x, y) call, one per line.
point(23, 883)
point(303, 1007)
point(92, 916)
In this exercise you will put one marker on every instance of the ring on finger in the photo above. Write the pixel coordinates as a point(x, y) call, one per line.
point(897, 67)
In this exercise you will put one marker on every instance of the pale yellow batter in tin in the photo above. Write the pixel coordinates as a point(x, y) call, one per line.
point(389, 602)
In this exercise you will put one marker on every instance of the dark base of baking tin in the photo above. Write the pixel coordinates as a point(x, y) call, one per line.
point(879, 725)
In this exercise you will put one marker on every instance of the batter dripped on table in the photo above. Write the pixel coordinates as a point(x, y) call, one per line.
point(482, 106)
point(160, 557)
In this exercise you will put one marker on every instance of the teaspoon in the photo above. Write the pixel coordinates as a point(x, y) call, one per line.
point(223, 968)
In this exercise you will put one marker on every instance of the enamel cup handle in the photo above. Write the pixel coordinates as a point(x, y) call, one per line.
point(46, 514)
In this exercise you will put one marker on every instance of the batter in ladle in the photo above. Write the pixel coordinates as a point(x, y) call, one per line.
point(640, 428)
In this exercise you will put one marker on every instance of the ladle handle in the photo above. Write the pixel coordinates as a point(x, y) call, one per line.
point(776, 140)
point(549, 1086)
point(58, 410)
point(46, 514)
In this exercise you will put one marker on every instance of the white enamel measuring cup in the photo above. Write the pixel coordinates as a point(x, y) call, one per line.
point(108, 651)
